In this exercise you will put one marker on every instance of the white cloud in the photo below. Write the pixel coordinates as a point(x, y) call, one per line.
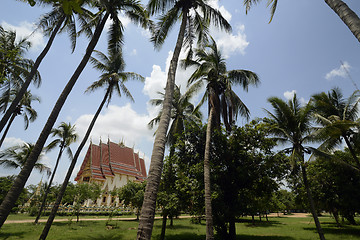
point(225, 13)
point(117, 123)
point(26, 29)
point(339, 72)
point(289, 94)
point(133, 52)
point(231, 44)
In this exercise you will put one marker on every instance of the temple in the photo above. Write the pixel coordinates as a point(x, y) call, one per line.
point(112, 166)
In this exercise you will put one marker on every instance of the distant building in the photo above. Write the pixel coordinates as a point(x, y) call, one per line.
point(112, 166)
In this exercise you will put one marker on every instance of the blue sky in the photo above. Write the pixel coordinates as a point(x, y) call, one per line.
point(300, 51)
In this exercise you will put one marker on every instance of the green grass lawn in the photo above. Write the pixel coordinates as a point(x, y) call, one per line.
point(276, 229)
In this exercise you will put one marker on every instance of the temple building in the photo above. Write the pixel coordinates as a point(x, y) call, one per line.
point(111, 165)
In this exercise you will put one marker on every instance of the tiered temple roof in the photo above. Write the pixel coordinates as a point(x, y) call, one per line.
point(107, 160)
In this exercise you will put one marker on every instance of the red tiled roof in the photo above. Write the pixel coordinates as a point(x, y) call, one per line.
point(109, 159)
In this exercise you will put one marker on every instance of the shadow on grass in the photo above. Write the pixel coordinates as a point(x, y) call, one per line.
point(18, 235)
point(252, 237)
point(333, 229)
point(258, 223)
point(175, 227)
point(107, 236)
point(183, 236)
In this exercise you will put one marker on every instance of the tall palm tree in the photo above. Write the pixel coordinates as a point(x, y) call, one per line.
point(57, 20)
point(66, 135)
point(291, 123)
point(108, 8)
point(16, 157)
point(195, 15)
point(223, 102)
point(338, 119)
point(24, 108)
point(348, 16)
point(14, 67)
point(182, 110)
point(114, 79)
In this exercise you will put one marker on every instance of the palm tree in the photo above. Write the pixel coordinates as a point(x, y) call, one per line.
point(66, 136)
point(24, 108)
point(338, 118)
point(348, 16)
point(57, 20)
point(182, 110)
point(291, 123)
point(108, 8)
point(195, 15)
point(223, 102)
point(16, 157)
point(114, 79)
point(14, 67)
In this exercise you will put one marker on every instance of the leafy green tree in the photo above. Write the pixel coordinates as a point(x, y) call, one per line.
point(338, 119)
point(291, 123)
point(348, 16)
point(66, 136)
point(132, 194)
point(16, 157)
point(336, 186)
point(5, 184)
point(83, 192)
point(25, 109)
point(222, 102)
point(195, 15)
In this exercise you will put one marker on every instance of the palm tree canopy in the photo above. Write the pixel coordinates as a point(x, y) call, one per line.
point(16, 156)
point(113, 75)
point(199, 15)
point(65, 135)
point(291, 123)
point(337, 116)
point(272, 3)
point(211, 69)
point(14, 68)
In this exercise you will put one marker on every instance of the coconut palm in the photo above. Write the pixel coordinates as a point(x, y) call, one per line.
point(195, 15)
point(66, 135)
point(114, 79)
point(24, 108)
point(348, 16)
point(108, 8)
point(291, 123)
point(16, 157)
point(57, 20)
point(338, 119)
point(14, 67)
point(182, 110)
point(223, 102)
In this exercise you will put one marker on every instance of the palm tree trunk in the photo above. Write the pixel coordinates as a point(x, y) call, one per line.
point(348, 16)
point(149, 204)
point(7, 128)
point(208, 208)
point(311, 202)
point(163, 227)
point(27, 82)
point(24, 174)
point(72, 165)
point(49, 185)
